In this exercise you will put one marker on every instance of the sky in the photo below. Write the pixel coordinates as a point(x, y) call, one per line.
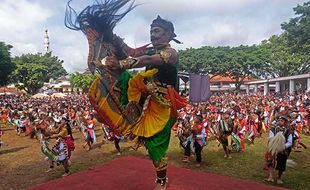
point(197, 23)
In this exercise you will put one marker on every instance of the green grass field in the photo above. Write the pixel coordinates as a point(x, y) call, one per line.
point(21, 155)
point(247, 165)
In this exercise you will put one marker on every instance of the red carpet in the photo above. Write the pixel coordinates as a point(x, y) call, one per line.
point(131, 173)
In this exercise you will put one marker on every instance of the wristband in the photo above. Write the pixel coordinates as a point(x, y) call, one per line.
point(128, 63)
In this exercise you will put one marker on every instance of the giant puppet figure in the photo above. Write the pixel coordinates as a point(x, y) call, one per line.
point(145, 105)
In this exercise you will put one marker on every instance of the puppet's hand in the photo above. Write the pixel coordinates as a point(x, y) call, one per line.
point(111, 62)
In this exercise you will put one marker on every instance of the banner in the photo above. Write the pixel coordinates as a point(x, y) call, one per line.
point(199, 88)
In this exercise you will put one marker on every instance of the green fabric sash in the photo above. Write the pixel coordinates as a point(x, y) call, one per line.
point(157, 145)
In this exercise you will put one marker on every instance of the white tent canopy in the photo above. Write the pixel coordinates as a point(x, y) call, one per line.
point(58, 95)
point(40, 95)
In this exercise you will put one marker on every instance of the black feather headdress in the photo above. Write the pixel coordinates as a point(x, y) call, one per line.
point(101, 17)
point(97, 22)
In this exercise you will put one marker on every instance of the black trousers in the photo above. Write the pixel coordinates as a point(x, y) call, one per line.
point(116, 144)
point(198, 149)
point(281, 160)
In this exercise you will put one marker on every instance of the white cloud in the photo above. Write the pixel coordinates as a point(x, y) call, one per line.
point(22, 15)
point(192, 8)
point(75, 57)
point(69, 46)
point(24, 47)
point(197, 23)
point(22, 25)
point(221, 22)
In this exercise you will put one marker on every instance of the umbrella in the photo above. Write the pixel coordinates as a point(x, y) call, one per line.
point(58, 95)
point(39, 95)
point(5, 90)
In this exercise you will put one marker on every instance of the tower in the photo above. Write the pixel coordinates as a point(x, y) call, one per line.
point(46, 42)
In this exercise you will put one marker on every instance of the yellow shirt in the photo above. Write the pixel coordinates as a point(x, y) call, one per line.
point(63, 132)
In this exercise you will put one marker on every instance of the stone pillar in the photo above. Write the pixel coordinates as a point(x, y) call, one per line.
point(247, 89)
point(308, 84)
point(278, 86)
point(46, 42)
point(255, 88)
point(292, 86)
point(266, 88)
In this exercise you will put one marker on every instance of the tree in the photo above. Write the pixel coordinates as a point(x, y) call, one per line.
point(282, 60)
point(243, 62)
point(32, 70)
point(237, 62)
point(207, 60)
point(83, 81)
point(53, 65)
point(297, 29)
point(297, 34)
point(281, 55)
point(6, 66)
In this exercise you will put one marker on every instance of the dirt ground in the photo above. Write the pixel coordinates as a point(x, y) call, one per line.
point(22, 164)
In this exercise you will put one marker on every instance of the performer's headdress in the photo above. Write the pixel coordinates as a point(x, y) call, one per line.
point(97, 22)
point(166, 25)
point(101, 17)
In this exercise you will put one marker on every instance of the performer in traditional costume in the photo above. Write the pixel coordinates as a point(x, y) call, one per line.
point(225, 127)
point(117, 137)
point(3, 120)
point(89, 132)
point(144, 105)
point(183, 131)
point(296, 127)
point(1, 133)
point(20, 124)
point(279, 148)
point(253, 125)
point(73, 117)
point(64, 145)
point(3, 116)
point(106, 134)
point(240, 128)
point(43, 131)
point(196, 141)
